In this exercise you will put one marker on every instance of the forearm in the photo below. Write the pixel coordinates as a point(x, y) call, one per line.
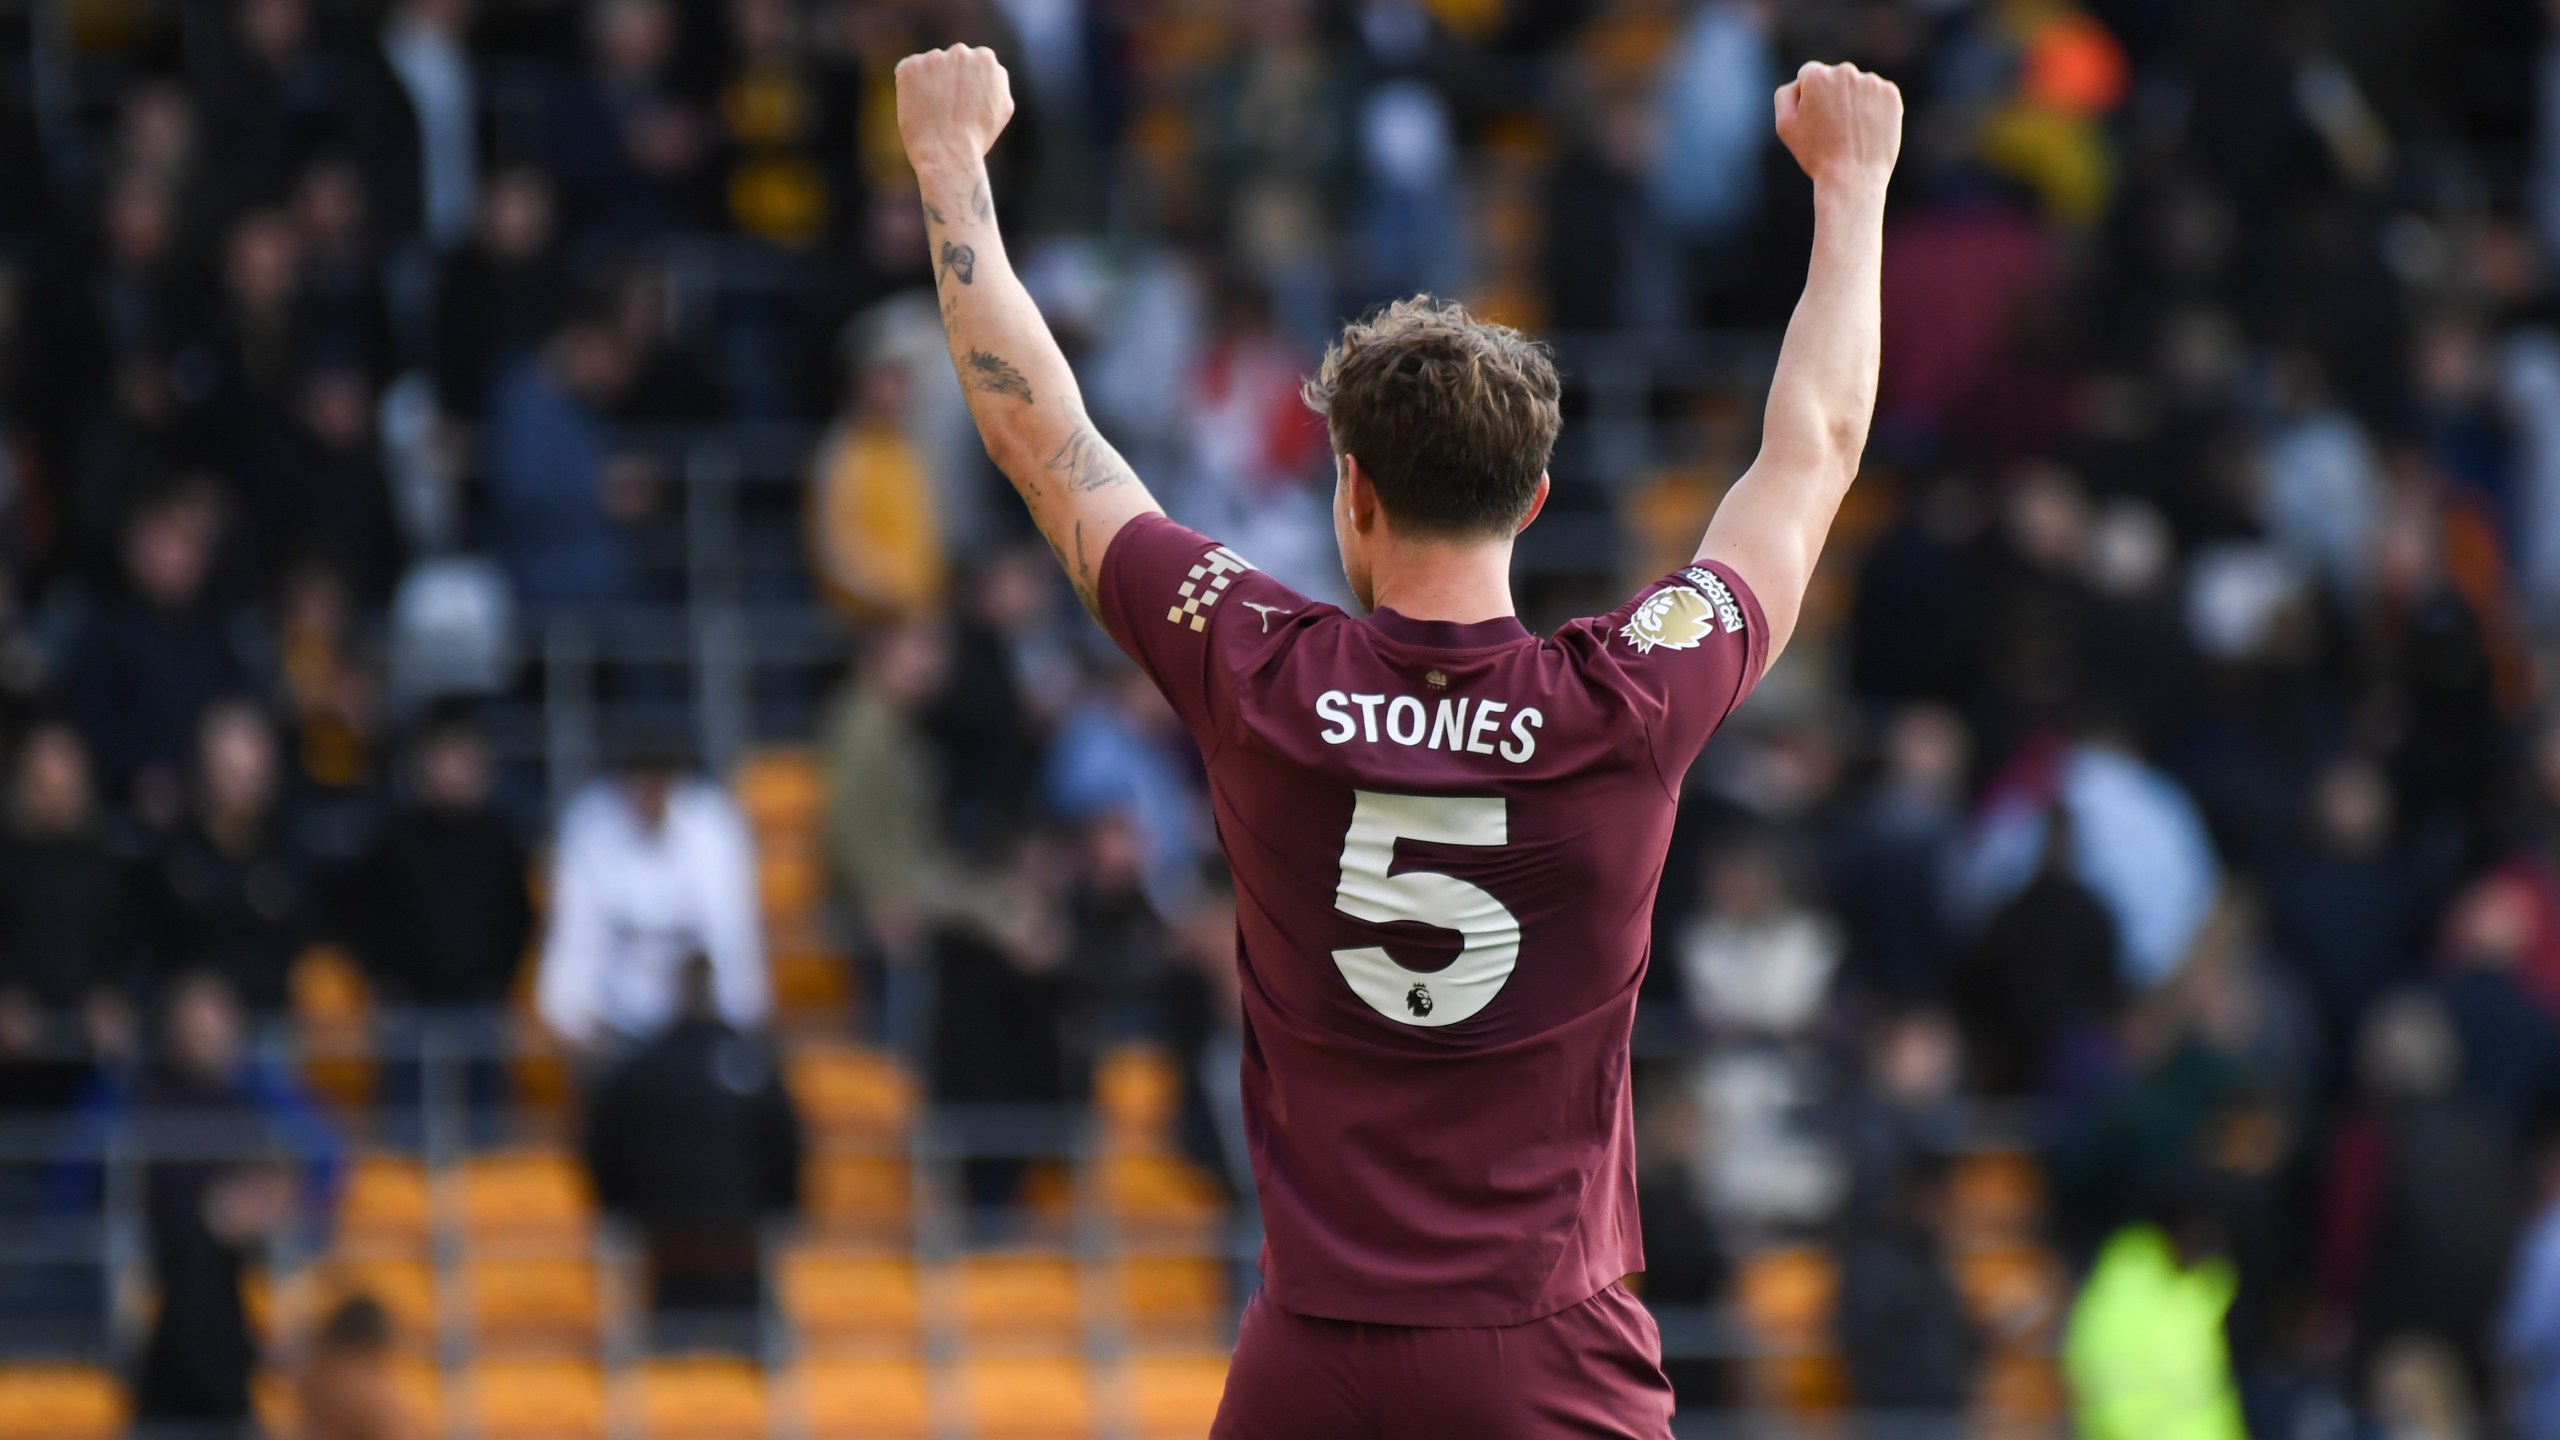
point(1021, 392)
point(1772, 523)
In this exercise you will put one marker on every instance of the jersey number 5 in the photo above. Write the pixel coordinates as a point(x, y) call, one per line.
point(1368, 892)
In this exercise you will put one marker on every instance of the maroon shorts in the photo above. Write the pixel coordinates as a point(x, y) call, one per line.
point(1595, 1369)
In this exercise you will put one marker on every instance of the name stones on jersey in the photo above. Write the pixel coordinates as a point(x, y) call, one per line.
point(1207, 582)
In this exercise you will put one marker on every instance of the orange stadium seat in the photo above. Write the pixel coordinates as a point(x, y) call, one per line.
point(527, 1199)
point(60, 1402)
point(832, 1297)
point(333, 1006)
point(860, 1194)
point(542, 1399)
point(1173, 1296)
point(864, 1399)
point(1027, 1398)
point(1994, 1197)
point(542, 1301)
point(1174, 1397)
point(1017, 1299)
point(1786, 1294)
point(701, 1397)
point(384, 1206)
point(2019, 1388)
point(1160, 1194)
point(782, 790)
point(2014, 1292)
point(852, 1098)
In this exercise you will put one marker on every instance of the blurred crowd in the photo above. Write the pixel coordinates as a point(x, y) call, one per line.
point(2165, 781)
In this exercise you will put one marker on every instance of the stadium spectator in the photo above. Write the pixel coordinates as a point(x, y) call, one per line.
point(629, 143)
point(2422, 1199)
point(1906, 1339)
point(694, 1138)
point(417, 120)
point(561, 497)
point(2041, 988)
point(653, 866)
point(232, 890)
point(257, 1157)
point(499, 294)
point(321, 495)
point(884, 799)
point(150, 656)
point(438, 908)
point(2529, 1321)
point(2143, 1349)
point(874, 538)
point(67, 939)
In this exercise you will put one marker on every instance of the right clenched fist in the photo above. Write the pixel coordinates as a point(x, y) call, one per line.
point(1841, 123)
point(952, 104)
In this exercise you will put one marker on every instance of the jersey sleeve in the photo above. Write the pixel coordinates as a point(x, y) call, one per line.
point(1193, 614)
point(1683, 653)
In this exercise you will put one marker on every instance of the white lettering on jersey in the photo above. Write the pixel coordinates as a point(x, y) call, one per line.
point(1208, 580)
point(1331, 705)
point(1450, 727)
point(1526, 744)
point(1451, 723)
point(1403, 705)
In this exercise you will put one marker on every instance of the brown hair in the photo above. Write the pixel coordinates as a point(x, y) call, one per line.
point(1452, 417)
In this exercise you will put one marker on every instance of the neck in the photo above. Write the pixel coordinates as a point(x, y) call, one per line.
point(1457, 581)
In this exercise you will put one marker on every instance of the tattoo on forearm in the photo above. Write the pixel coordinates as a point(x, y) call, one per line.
point(933, 215)
point(1088, 461)
point(981, 204)
point(994, 375)
point(960, 260)
point(1079, 574)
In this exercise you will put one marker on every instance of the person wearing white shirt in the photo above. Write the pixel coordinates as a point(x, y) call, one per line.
point(654, 866)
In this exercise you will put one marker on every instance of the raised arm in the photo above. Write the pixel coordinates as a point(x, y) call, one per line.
point(951, 106)
point(1844, 127)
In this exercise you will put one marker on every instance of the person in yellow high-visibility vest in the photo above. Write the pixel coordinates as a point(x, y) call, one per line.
point(2144, 1353)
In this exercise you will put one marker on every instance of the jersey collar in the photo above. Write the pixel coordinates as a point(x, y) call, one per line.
point(1449, 635)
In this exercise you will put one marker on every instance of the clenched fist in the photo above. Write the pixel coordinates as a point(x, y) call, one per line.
point(1841, 123)
point(951, 105)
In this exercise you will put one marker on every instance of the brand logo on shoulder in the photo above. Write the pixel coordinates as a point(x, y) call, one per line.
point(1671, 618)
point(1710, 584)
point(1208, 580)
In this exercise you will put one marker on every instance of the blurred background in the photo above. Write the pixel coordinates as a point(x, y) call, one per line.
point(569, 868)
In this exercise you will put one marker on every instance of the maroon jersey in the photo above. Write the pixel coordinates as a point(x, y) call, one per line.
point(1446, 841)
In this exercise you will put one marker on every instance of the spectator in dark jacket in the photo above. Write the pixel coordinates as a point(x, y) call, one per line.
point(67, 943)
point(1904, 1335)
point(2042, 981)
point(694, 1138)
point(500, 294)
point(260, 1156)
point(232, 891)
point(148, 660)
point(439, 910)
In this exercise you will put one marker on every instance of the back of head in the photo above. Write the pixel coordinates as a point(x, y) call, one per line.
point(1452, 418)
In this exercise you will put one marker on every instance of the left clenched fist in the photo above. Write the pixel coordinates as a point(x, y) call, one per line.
point(952, 103)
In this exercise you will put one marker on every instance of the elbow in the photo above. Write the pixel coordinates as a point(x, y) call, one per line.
point(1844, 444)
